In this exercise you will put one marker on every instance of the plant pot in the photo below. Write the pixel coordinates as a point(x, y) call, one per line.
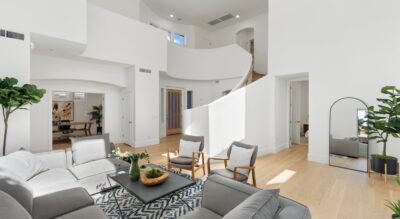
point(394, 216)
point(378, 165)
point(99, 130)
point(134, 170)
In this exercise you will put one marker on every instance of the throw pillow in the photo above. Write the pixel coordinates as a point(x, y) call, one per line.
point(240, 157)
point(88, 150)
point(260, 205)
point(24, 164)
point(186, 148)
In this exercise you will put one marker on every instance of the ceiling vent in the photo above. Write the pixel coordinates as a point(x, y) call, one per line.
point(2, 32)
point(143, 70)
point(221, 19)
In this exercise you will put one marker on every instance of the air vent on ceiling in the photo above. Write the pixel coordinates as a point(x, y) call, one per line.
point(15, 35)
point(148, 71)
point(2, 32)
point(221, 19)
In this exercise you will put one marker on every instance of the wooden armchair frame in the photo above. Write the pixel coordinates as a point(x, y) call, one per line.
point(235, 172)
point(193, 167)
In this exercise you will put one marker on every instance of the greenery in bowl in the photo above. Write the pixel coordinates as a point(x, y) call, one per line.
point(153, 173)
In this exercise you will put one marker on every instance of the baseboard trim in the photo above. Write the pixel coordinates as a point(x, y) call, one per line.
point(146, 143)
point(318, 158)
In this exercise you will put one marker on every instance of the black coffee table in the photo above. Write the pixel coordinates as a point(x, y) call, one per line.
point(147, 194)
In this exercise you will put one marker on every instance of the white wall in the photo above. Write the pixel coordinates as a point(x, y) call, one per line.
point(41, 126)
point(128, 8)
point(227, 36)
point(245, 115)
point(63, 19)
point(46, 67)
point(147, 108)
point(116, 38)
point(15, 62)
point(208, 64)
point(349, 48)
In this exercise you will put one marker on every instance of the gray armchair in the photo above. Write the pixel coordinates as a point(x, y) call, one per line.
point(189, 163)
point(222, 195)
point(235, 174)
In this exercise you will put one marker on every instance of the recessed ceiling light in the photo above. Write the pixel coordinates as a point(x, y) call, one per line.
point(237, 16)
point(171, 15)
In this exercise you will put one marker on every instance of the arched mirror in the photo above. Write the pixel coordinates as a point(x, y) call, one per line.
point(348, 141)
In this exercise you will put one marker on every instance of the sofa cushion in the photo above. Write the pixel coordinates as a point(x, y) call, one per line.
point(229, 174)
point(202, 213)
point(51, 181)
point(97, 167)
point(104, 137)
point(88, 150)
point(53, 159)
point(240, 157)
point(260, 205)
point(60, 203)
point(91, 212)
point(10, 208)
point(16, 188)
point(23, 163)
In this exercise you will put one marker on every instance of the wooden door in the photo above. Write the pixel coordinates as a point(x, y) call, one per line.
point(174, 111)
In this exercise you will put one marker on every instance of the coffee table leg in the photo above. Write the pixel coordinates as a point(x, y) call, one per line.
point(162, 211)
point(115, 197)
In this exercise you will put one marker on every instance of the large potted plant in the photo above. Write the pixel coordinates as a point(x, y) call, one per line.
point(97, 116)
point(384, 122)
point(14, 97)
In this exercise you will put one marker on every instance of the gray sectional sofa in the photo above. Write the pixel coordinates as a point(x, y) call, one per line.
point(58, 186)
point(226, 198)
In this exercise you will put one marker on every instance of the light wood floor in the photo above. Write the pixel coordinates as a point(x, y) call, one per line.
point(329, 192)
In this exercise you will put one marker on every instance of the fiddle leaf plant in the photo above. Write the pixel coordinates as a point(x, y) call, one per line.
point(97, 114)
point(14, 97)
point(384, 120)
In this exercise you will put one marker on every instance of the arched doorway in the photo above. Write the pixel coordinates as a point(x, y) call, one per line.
point(245, 39)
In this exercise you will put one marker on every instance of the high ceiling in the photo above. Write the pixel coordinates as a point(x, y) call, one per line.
point(200, 12)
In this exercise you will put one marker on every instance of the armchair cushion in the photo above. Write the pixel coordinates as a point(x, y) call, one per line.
point(229, 174)
point(186, 148)
point(260, 205)
point(182, 160)
point(240, 157)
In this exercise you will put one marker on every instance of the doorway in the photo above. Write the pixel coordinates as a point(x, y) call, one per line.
point(245, 39)
point(174, 111)
point(127, 118)
point(299, 112)
point(75, 114)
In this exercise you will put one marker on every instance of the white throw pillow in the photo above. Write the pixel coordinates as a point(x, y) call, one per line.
point(240, 157)
point(24, 164)
point(186, 148)
point(88, 150)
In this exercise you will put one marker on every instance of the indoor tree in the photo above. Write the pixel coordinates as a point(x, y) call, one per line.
point(97, 116)
point(384, 121)
point(14, 97)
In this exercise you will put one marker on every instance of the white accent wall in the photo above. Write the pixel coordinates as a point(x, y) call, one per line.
point(349, 48)
point(14, 56)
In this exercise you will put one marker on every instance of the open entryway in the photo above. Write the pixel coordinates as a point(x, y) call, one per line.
point(174, 111)
point(75, 114)
point(299, 112)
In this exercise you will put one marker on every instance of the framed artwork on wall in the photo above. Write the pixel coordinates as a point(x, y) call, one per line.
point(63, 110)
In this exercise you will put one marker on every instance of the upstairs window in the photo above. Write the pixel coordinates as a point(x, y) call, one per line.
point(179, 39)
point(189, 99)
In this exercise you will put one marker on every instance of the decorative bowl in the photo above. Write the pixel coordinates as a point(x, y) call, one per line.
point(153, 181)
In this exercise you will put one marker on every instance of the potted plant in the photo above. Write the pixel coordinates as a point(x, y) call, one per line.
point(383, 122)
point(134, 170)
point(395, 207)
point(14, 97)
point(97, 115)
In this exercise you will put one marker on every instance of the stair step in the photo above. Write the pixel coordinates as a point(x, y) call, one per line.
point(256, 76)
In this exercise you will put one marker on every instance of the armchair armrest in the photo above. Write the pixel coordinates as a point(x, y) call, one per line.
point(200, 154)
point(250, 168)
point(215, 158)
point(169, 154)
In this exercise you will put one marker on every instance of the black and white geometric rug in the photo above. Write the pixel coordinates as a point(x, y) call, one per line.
point(132, 208)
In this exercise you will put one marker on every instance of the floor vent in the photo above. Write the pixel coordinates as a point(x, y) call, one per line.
point(221, 19)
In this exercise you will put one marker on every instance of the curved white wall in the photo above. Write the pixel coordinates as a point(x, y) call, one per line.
point(207, 64)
